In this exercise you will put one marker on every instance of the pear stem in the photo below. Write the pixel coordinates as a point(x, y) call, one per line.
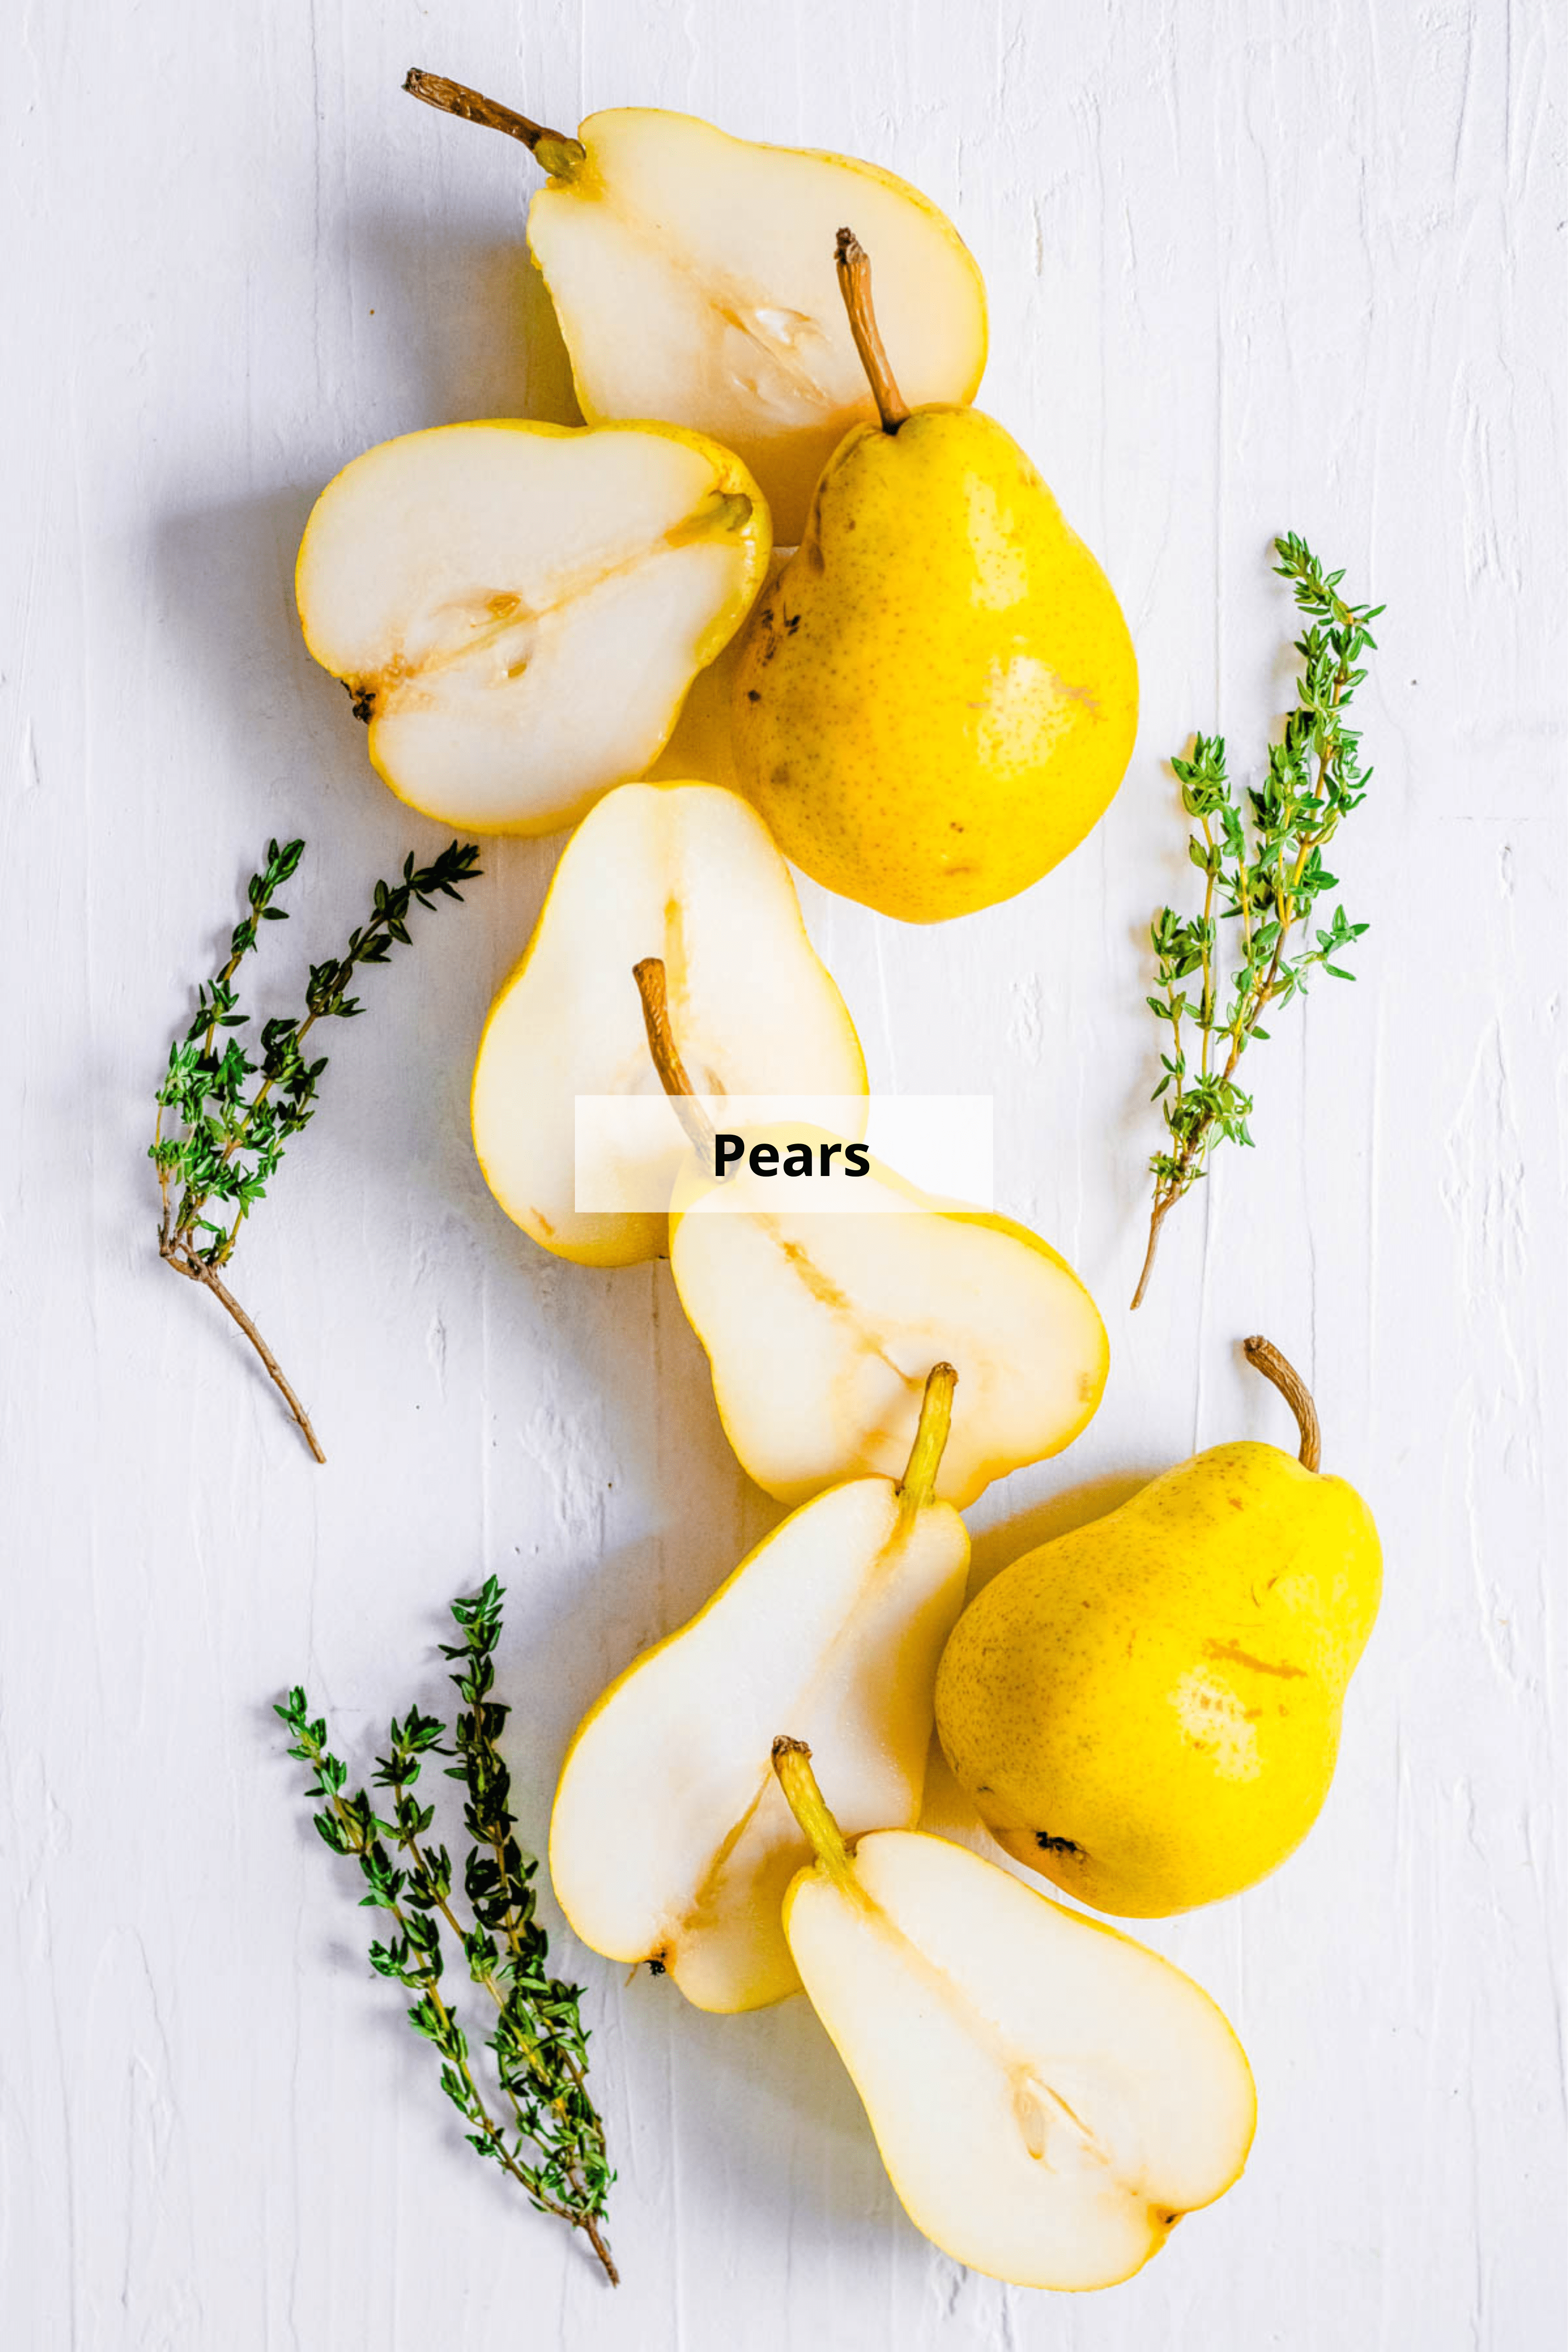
point(1265, 1357)
point(555, 152)
point(854, 266)
point(919, 1483)
point(651, 987)
point(791, 1762)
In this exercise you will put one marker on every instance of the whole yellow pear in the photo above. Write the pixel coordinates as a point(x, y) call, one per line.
point(939, 696)
point(1147, 1710)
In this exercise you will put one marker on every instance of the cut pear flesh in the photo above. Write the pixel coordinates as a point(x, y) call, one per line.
point(1048, 2097)
point(518, 609)
point(684, 872)
point(856, 1307)
point(671, 1839)
point(693, 273)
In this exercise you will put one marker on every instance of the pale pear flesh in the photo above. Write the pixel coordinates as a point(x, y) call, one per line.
point(519, 609)
point(671, 1839)
point(693, 273)
point(857, 1307)
point(1048, 2097)
point(685, 872)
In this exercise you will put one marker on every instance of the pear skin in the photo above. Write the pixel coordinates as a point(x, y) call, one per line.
point(1147, 1710)
point(938, 699)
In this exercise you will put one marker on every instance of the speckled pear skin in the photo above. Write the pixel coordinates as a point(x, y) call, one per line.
point(939, 697)
point(1147, 1710)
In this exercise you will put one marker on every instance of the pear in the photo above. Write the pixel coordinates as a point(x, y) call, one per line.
point(517, 610)
point(819, 1321)
point(670, 1840)
point(939, 697)
point(1147, 1710)
point(685, 873)
point(816, 1325)
point(703, 743)
point(690, 274)
point(1049, 2097)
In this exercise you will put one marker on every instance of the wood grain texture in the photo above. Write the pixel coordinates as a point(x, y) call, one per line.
point(1252, 266)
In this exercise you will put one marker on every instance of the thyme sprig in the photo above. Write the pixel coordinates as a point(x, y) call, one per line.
point(551, 2140)
point(1264, 873)
point(219, 1137)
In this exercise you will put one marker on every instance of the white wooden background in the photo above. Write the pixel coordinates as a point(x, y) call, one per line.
point(1252, 267)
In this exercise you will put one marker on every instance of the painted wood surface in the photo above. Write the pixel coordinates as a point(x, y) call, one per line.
point(1251, 267)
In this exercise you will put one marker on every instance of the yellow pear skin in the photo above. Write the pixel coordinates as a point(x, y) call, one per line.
point(1147, 1710)
point(939, 697)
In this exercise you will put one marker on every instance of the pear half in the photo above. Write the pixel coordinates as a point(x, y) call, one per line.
point(685, 873)
point(518, 609)
point(671, 1840)
point(820, 1326)
point(1049, 2097)
point(692, 275)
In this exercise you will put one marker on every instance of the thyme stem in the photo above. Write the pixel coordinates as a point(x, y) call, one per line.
point(1265, 875)
point(539, 2043)
point(197, 1268)
point(219, 1139)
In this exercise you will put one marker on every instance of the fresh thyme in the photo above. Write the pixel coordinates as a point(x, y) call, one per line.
point(1268, 884)
point(553, 2145)
point(219, 1137)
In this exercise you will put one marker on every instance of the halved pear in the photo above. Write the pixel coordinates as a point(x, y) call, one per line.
point(1049, 2097)
point(686, 873)
point(519, 609)
point(693, 273)
point(671, 1840)
point(820, 1326)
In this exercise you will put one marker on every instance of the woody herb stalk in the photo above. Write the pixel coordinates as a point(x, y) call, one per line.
point(1264, 877)
point(219, 1138)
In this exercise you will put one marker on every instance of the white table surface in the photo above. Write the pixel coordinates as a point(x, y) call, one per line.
point(1252, 268)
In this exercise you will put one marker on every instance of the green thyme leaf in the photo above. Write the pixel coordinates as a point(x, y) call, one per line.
point(219, 1138)
point(1261, 858)
point(551, 2139)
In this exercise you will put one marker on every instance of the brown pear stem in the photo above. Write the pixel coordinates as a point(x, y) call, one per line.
point(791, 1762)
point(1265, 1357)
point(919, 1483)
point(554, 149)
point(651, 987)
point(854, 264)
